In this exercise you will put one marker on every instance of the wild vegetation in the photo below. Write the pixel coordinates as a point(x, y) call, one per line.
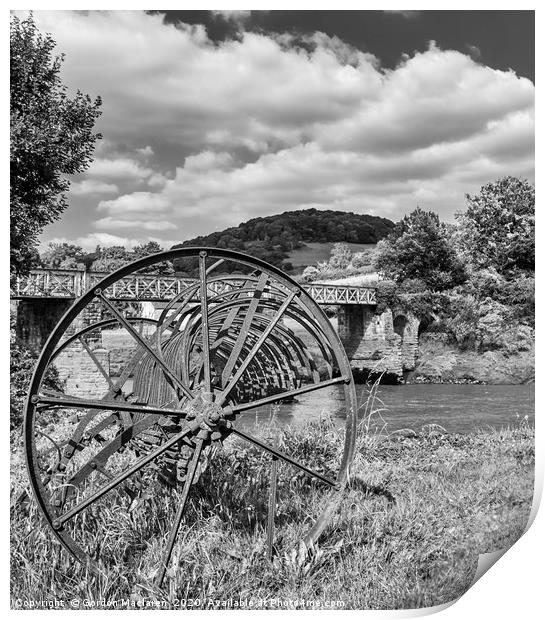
point(341, 264)
point(419, 509)
point(470, 283)
point(103, 259)
point(51, 137)
point(273, 238)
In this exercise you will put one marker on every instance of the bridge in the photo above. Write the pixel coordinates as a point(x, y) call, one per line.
point(71, 283)
point(376, 342)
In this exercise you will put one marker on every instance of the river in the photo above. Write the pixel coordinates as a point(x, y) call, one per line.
point(457, 408)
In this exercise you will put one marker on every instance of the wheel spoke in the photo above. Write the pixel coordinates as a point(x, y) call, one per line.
point(115, 444)
point(121, 478)
point(272, 507)
point(215, 266)
point(81, 403)
point(243, 333)
point(97, 363)
point(283, 395)
point(144, 344)
point(204, 323)
point(180, 512)
point(281, 455)
point(223, 396)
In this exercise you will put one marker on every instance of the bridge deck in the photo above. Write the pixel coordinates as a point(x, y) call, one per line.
point(69, 284)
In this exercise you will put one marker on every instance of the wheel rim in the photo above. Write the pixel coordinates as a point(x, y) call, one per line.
point(218, 349)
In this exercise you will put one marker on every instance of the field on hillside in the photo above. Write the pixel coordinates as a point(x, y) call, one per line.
point(314, 252)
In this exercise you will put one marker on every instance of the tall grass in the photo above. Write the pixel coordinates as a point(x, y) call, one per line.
point(416, 513)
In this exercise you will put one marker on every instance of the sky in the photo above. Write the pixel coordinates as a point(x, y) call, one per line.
point(212, 118)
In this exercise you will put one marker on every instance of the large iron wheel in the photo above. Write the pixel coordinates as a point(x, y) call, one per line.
point(154, 395)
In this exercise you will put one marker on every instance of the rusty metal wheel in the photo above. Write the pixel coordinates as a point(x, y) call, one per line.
point(151, 396)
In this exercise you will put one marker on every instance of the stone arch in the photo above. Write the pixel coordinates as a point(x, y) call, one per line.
point(400, 325)
point(425, 322)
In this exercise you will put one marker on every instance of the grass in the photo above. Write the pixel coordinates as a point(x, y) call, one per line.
point(416, 514)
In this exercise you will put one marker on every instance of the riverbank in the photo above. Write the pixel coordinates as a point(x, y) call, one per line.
point(441, 363)
point(418, 511)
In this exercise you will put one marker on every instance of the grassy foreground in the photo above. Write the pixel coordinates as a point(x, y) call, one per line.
point(407, 534)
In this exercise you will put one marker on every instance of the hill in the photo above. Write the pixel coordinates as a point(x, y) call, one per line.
point(277, 237)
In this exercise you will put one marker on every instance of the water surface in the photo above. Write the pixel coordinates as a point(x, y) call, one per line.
point(457, 408)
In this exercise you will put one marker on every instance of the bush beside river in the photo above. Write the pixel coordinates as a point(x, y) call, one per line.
point(439, 363)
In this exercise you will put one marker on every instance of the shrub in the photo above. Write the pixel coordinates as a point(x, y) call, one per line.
point(310, 274)
point(22, 362)
point(420, 247)
point(487, 325)
point(361, 259)
point(498, 228)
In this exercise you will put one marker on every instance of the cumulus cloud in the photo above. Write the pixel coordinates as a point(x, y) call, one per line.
point(91, 186)
point(203, 136)
point(234, 16)
point(474, 51)
point(144, 203)
point(118, 168)
point(110, 223)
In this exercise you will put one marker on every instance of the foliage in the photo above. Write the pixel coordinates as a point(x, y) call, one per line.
point(110, 258)
point(361, 259)
point(62, 256)
point(272, 238)
point(51, 136)
point(498, 228)
point(387, 295)
point(310, 273)
point(411, 296)
point(516, 294)
point(419, 247)
point(487, 325)
point(341, 256)
point(103, 260)
point(341, 264)
point(22, 362)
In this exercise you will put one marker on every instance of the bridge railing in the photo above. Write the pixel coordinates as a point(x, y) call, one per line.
point(70, 283)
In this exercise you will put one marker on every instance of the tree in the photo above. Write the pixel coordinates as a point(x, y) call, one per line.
point(51, 136)
point(340, 256)
point(419, 248)
point(498, 229)
point(163, 268)
point(63, 256)
point(111, 258)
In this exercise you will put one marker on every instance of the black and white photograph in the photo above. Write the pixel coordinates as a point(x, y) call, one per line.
point(272, 306)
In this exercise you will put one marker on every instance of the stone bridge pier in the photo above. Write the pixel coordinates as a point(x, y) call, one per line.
point(377, 343)
point(77, 367)
point(36, 319)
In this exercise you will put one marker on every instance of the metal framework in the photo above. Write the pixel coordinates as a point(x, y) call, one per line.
point(180, 387)
point(141, 287)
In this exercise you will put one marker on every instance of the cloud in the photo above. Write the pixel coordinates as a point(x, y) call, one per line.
point(201, 136)
point(118, 168)
point(143, 203)
point(90, 186)
point(234, 16)
point(110, 223)
point(474, 51)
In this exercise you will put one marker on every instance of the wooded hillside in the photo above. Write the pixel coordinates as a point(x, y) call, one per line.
point(273, 238)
